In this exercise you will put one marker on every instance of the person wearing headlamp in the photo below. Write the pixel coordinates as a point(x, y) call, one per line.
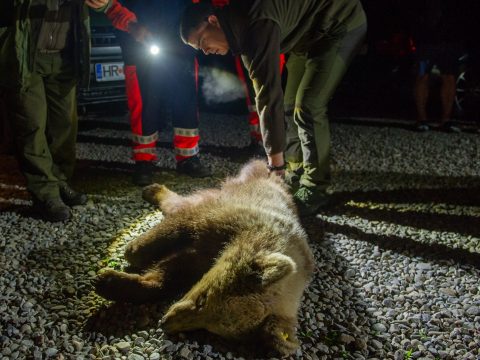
point(160, 75)
point(320, 38)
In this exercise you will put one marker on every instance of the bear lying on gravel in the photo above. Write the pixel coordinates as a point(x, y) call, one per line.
point(239, 251)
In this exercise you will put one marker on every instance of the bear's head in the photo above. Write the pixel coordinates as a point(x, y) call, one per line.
point(239, 299)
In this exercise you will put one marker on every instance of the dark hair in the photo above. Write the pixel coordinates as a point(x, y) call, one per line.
point(193, 16)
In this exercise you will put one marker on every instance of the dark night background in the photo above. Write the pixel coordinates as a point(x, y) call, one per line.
point(379, 82)
point(397, 252)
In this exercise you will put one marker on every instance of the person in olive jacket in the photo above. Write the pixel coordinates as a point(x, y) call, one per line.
point(44, 54)
point(320, 38)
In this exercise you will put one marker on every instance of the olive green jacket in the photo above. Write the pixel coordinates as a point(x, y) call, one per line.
point(260, 30)
point(18, 39)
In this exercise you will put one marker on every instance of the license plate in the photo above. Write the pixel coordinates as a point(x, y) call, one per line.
point(109, 72)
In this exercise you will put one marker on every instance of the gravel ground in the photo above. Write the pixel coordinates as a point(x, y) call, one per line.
point(397, 253)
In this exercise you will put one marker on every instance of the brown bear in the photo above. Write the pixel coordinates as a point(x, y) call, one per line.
point(239, 251)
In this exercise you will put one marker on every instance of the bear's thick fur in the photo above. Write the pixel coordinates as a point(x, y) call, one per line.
point(239, 251)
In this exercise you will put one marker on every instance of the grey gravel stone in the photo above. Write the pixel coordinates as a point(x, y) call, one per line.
point(367, 300)
point(123, 346)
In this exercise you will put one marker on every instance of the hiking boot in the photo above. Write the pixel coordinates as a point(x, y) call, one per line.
point(309, 200)
point(71, 197)
point(421, 127)
point(52, 210)
point(292, 178)
point(449, 126)
point(143, 173)
point(193, 167)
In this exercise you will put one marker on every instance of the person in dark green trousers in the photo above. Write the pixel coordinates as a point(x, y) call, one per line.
point(44, 54)
point(320, 38)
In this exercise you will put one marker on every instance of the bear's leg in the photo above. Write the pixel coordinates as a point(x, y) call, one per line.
point(156, 193)
point(171, 235)
point(173, 275)
point(124, 287)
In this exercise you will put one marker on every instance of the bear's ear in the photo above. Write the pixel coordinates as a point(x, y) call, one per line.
point(274, 267)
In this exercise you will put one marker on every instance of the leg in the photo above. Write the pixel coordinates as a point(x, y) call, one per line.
point(322, 75)
point(144, 133)
point(173, 275)
point(182, 79)
point(121, 286)
point(29, 129)
point(447, 95)
point(155, 194)
point(62, 124)
point(172, 234)
point(181, 82)
point(421, 93)
point(293, 152)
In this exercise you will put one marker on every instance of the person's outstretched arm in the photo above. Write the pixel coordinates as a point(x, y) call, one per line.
point(262, 60)
point(120, 17)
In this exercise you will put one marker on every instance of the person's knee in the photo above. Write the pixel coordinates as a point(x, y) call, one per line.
point(311, 112)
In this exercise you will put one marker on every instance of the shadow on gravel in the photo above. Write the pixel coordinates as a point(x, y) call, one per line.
point(442, 209)
point(436, 202)
point(434, 252)
point(123, 319)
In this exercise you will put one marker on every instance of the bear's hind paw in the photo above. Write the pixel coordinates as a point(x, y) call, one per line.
point(110, 283)
point(155, 193)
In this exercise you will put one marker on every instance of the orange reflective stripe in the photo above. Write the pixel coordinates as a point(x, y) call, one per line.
point(143, 152)
point(185, 142)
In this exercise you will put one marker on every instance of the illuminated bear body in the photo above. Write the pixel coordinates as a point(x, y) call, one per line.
point(238, 252)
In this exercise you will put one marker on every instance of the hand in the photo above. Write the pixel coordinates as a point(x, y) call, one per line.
point(96, 4)
point(276, 161)
point(139, 32)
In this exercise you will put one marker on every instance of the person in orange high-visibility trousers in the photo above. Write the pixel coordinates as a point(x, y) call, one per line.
point(158, 86)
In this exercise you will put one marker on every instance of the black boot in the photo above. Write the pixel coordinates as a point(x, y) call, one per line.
point(71, 197)
point(193, 167)
point(143, 173)
point(52, 210)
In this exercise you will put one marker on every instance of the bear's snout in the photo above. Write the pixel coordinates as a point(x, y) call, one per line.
point(180, 317)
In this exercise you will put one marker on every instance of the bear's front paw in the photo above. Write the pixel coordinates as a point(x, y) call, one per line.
point(108, 283)
point(154, 193)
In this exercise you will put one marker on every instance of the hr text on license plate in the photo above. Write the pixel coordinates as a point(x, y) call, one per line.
point(109, 71)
